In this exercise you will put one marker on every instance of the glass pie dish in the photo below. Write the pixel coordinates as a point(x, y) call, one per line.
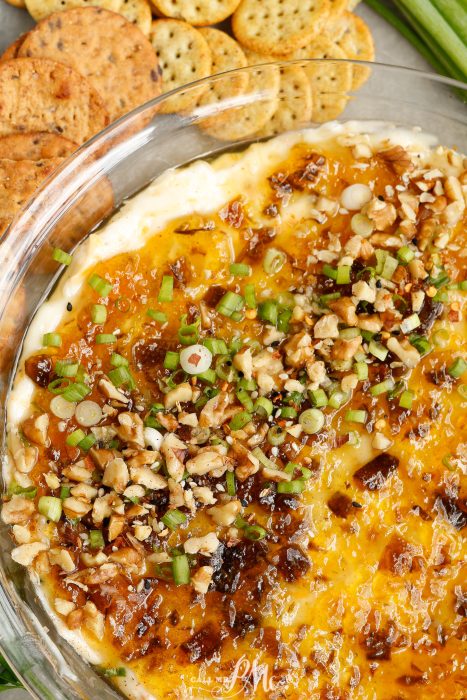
point(93, 184)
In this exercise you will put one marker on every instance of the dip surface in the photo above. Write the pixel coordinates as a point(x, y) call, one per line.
point(236, 459)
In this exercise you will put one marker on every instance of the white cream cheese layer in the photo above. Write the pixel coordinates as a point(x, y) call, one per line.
point(201, 187)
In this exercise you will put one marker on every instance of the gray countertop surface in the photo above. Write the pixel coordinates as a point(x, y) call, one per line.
point(390, 48)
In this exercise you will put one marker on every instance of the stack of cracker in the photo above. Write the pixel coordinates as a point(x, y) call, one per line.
point(88, 62)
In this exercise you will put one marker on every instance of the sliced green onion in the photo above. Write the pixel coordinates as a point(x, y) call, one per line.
point(235, 345)
point(361, 370)
point(447, 462)
point(96, 539)
point(174, 518)
point(166, 292)
point(66, 368)
point(50, 507)
point(230, 483)
point(61, 257)
point(367, 335)
point(188, 334)
point(98, 313)
point(410, 323)
point(64, 492)
point(240, 270)
point(406, 399)
point(292, 467)
point(247, 384)
point(171, 360)
point(462, 390)
point(254, 532)
point(87, 442)
point(120, 376)
point(76, 392)
point(245, 399)
point(158, 316)
point(441, 338)
point(15, 489)
point(225, 369)
point(250, 296)
point(276, 435)
point(239, 420)
point(75, 437)
point(311, 420)
point(389, 267)
point(330, 271)
point(378, 350)
point(117, 360)
point(265, 461)
point(208, 376)
point(457, 368)
point(382, 387)
point(274, 261)
point(405, 254)
point(381, 256)
point(216, 346)
point(267, 311)
point(318, 398)
point(338, 398)
point(349, 333)
point(294, 486)
point(356, 416)
point(113, 672)
point(52, 340)
point(263, 406)
point(181, 570)
point(421, 343)
point(100, 285)
point(343, 274)
point(283, 320)
point(105, 338)
point(288, 412)
point(229, 304)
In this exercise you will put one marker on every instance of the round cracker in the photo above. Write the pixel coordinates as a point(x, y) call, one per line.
point(137, 12)
point(184, 56)
point(226, 55)
point(37, 94)
point(115, 57)
point(295, 101)
point(19, 179)
point(199, 13)
point(40, 9)
point(337, 7)
point(330, 82)
point(11, 51)
point(278, 27)
point(357, 44)
point(240, 122)
point(35, 146)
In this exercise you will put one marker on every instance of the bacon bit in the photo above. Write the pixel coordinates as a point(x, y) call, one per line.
point(453, 316)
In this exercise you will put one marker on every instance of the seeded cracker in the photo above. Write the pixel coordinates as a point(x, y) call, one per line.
point(199, 13)
point(184, 56)
point(356, 42)
point(278, 27)
point(37, 94)
point(19, 179)
point(85, 38)
point(39, 9)
point(35, 146)
point(238, 123)
point(137, 12)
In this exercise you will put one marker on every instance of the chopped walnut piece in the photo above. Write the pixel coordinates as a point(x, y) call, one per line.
point(102, 457)
point(18, 510)
point(168, 421)
point(174, 452)
point(247, 463)
point(102, 508)
point(94, 620)
point(78, 471)
point(386, 240)
point(142, 532)
point(404, 351)
point(36, 428)
point(111, 392)
point(202, 578)
point(95, 559)
point(215, 412)
point(243, 361)
point(225, 514)
point(116, 475)
point(116, 525)
point(203, 545)
point(84, 491)
point(140, 458)
point(176, 498)
point(345, 309)
point(62, 558)
point(345, 348)
point(208, 461)
point(363, 292)
point(75, 507)
point(370, 322)
point(131, 429)
point(383, 214)
point(26, 553)
point(327, 327)
point(74, 619)
point(417, 270)
point(398, 158)
point(21, 534)
point(182, 393)
point(204, 495)
point(129, 558)
point(25, 457)
point(298, 350)
point(63, 606)
point(146, 477)
point(93, 576)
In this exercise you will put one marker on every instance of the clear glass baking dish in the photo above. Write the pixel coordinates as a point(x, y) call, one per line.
point(92, 184)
